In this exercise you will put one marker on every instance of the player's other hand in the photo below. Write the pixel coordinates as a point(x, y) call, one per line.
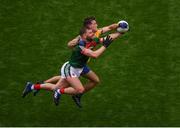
point(107, 41)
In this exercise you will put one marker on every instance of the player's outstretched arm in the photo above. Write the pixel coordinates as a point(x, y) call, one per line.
point(98, 52)
point(112, 35)
point(109, 28)
point(93, 54)
point(115, 35)
point(73, 42)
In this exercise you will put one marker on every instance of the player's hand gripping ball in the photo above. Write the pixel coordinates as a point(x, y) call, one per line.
point(123, 26)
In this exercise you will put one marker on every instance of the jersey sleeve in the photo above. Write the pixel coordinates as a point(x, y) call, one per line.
point(96, 40)
point(81, 45)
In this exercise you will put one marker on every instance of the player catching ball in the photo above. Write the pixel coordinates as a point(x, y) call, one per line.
point(91, 23)
point(71, 70)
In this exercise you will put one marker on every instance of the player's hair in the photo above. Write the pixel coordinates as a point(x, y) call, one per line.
point(82, 30)
point(88, 20)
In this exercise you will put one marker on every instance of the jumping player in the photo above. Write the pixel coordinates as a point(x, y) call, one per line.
point(72, 69)
point(91, 23)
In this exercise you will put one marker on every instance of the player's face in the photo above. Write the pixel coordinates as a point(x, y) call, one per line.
point(89, 34)
point(93, 26)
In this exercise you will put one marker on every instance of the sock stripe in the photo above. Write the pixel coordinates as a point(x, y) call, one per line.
point(37, 86)
point(62, 90)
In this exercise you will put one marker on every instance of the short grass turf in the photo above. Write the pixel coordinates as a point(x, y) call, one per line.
point(140, 72)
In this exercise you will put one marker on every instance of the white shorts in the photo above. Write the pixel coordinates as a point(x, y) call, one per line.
point(68, 71)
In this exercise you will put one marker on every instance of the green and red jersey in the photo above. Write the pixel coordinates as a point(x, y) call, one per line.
point(78, 59)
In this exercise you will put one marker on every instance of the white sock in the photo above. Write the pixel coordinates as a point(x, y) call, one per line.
point(32, 87)
point(58, 90)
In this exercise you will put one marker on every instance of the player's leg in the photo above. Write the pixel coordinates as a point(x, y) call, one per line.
point(53, 79)
point(49, 86)
point(75, 84)
point(59, 89)
point(93, 80)
point(36, 87)
point(46, 86)
point(71, 76)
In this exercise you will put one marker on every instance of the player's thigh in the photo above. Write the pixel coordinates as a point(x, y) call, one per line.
point(75, 83)
point(92, 76)
point(57, 78)
point(62, 83)
point(71, 75)
point(53, 79)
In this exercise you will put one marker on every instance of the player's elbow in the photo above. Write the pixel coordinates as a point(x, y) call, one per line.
point(96, 81)
point(69, 45)
point(94, 56)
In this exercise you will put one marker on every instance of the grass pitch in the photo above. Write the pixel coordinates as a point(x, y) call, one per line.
point(140, 72)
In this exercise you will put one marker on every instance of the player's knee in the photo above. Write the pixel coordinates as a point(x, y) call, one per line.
point(53, 88)
point(80, 90)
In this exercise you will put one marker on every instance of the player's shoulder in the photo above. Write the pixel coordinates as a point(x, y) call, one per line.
point(98, 32)
point(81, 42)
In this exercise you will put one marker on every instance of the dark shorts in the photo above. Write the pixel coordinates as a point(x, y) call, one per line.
point(86, 69)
